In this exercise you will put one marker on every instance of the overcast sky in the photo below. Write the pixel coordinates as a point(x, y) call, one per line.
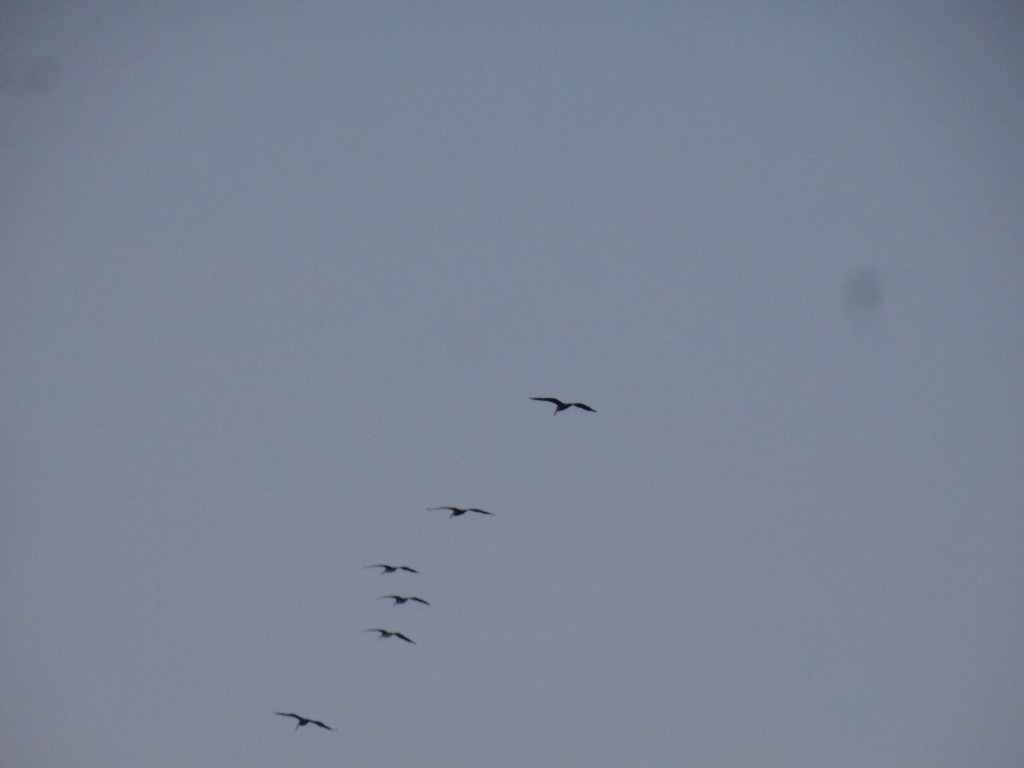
point(277, 280)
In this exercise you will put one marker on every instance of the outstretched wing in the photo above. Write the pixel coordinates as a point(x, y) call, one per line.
point(481, 511)
point(552, 400)
point(585, 407)
point(450, 509)
point(289, 714)
point(322, 725)
point(385, 566)
point(396, 598)
point(407, 568)
point(399, 634)
point(419, 600)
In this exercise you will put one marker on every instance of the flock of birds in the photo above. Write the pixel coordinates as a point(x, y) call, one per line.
point(386, 568)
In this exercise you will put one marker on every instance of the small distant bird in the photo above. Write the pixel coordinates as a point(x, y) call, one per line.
point(385, 568)
point(399, 600)
point(560, 406)
point(456, 511)
point(304, 720)
point(388, 633)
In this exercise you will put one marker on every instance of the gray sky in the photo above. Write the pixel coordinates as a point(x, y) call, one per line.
point(277, 280)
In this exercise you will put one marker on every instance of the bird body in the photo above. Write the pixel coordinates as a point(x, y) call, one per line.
point(560, 406)
point(456, 511)
point(304, 720)
point(385, 568)
point(388, 633)
point(399, 600)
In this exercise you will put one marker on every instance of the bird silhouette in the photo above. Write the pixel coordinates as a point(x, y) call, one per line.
point(399, 600)
point(456, 511)
point(560, 406)
point(304, 720)
point(385, 568)
point(388, 633)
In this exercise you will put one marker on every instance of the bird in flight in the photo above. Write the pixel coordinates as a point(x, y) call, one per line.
point(560, 406)
point(385, 568)
point(388, 633)
point(456, 511)
point(399, 600)
point(304, 720)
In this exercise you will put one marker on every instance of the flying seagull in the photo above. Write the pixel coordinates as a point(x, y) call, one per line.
point(388, 633)
point(560, 406)
point(399, 600)
point(456, 511)
point(304, 720)
point(385, 568)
